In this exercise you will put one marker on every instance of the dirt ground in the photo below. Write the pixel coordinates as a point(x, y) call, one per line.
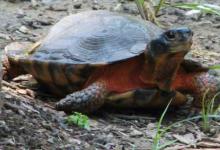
point(27, 117)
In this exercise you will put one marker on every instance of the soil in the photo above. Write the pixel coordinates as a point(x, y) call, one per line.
point(28, 119)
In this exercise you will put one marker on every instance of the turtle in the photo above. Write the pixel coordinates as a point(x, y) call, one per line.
point(100, 57)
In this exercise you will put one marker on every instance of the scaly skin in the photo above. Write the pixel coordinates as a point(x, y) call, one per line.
point(197, 83)
point(205, 82)
point(86, 100)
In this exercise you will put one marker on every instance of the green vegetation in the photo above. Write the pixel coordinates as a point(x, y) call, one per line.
point(207, 114)
point(204, 8)
point(149, 9)
point(79, 120)
point(214, 67)
point(160, 132)
point(207, 110)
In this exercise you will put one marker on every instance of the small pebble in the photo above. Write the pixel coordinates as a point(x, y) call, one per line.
point(24, 30)
point(77, 6)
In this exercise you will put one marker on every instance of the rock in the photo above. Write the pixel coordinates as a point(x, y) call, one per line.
point(121, 1)
point(130, 8)
point(95, 7)
point(135, 133)
point(77, 5)
point(34, 3)
point(5, 36)
point(7, 142)
point(57, 8)
point(12, 1)
point(188, 139)
point(194, 14)
point(151, 126)
point(217, 18)
point(20, 13)
point(22, 91)
point(118, 8)
point(24, 30)
point(4, 129)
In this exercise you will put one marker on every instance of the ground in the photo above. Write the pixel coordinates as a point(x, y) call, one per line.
point(27, 117)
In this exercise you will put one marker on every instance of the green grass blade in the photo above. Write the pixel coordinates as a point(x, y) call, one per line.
point(140, 7)
point(161, 3)
point(158, 134)
point(205, 8)
point(187, 120)
point(213, 102)
point(214, 67)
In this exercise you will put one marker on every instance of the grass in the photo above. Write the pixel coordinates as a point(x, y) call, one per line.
point(203, 7)
point(207, 110)
point(159, 6)
point(214, 67)
point(156, 141)
point(149, 9)
point(78, 119)
point(207, 113)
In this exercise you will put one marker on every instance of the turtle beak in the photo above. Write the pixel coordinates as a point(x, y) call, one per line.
point(186, 34)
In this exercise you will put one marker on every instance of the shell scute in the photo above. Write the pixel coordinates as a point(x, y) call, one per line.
point(96, 37)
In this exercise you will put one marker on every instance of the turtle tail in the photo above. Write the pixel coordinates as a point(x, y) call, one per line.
point(14, 57)
point(11, 68)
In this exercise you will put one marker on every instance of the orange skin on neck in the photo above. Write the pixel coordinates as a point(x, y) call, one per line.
point(128, 75)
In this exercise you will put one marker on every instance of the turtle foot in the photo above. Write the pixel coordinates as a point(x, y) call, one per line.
point(208, 88)
point(86, 100)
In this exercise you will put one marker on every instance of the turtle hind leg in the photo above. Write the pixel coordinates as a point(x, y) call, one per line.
point(207, 88)
point(146, 98)
point(86, 100)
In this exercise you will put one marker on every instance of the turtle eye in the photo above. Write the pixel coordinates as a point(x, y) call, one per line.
point(171, 35)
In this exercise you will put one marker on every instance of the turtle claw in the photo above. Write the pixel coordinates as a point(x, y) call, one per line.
point(86, 100)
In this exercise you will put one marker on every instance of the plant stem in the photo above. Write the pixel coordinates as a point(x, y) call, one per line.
point(159, 7)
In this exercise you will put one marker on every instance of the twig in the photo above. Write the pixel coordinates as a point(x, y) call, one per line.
point(9, 85)
point(134, 117)
point(211, 140)
point(178, 147)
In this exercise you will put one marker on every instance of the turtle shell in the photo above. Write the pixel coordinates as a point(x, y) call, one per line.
point(78, 44)
point(96, 37)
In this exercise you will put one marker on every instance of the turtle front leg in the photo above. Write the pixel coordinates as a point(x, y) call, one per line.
point(208, 87)
point(86, 100)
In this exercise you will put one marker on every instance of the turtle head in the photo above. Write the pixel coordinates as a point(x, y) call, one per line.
point(165, 53)
point(172, 41)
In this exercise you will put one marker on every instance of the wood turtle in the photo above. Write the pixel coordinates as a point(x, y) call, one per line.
point(99, 57)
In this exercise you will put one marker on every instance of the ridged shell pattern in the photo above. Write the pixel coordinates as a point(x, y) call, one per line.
point(96, 37)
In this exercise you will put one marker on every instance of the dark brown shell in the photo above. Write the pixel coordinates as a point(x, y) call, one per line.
point(78, 44)
point(96, 37)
